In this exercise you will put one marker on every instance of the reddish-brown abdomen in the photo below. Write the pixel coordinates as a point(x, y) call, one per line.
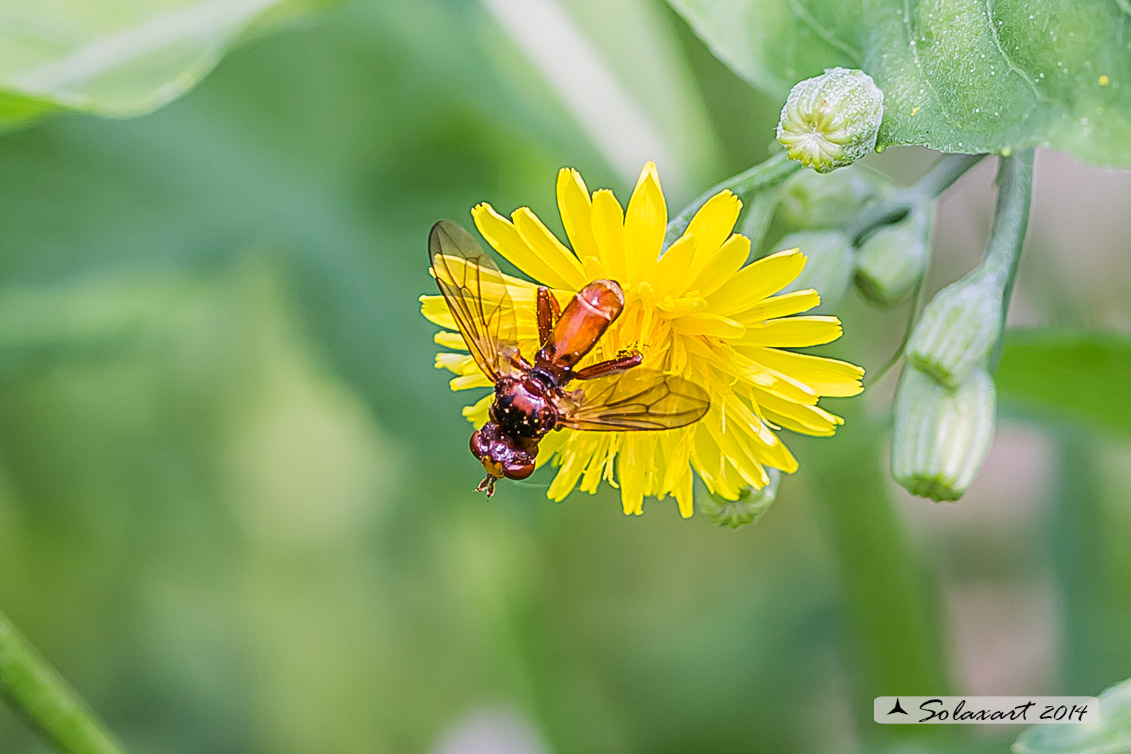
point(584, 321)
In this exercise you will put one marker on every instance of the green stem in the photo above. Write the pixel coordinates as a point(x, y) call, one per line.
point(932, 185)
point(944, 173)
point(772, 171)
point(1011, 219)
point(1007, 235)
point(35, 691)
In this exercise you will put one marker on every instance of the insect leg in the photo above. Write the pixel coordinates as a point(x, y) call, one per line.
point(612, 366)
point(548, 314)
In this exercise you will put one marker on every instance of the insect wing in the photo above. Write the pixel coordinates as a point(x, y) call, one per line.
point(476, 293)
point(640, 399)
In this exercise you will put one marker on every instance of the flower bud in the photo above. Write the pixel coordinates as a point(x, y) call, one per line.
point(816, 201)
point(831, 120)
point(747, 509)
point(892, 260)
point(828, 264)
point(941, 436)
point(957, 330)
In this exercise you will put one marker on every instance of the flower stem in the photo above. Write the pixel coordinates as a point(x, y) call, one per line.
point(1011, 219)
point(944, 173)
point(770, 172)
point(933, 184)
point(35, 691)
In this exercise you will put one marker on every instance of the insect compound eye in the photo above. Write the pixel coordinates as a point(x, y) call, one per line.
point(518, 470)
point(478, 444)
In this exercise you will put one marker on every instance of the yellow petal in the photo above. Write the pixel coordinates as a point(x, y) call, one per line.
point(565, 268)
point(435, 310)
point(826, 376)
point(632, 466)
point(644, 224)
point(809, 420)
point(793, 332)
point(450, 340)
point(708, 460)
point(574, 458)
point(672, 267)
point(722, 265)
point(784, 305)
point(766, 446)
point(710, 325)
point(608, 231)
point(468, 381)
point(713, 224)
point(754, 375)
point(477, 413)
point(594, 269)
point(756, 281)
point(549, 445)
point(506, 240)
point(575, 208)
point(457, 363)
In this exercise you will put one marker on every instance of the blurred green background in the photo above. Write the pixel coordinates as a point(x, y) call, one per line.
point(235, 495)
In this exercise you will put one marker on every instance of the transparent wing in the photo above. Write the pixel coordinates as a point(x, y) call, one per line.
point(476, 294)
point(639, 399)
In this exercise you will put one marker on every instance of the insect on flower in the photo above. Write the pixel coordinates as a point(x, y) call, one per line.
point(533, 398)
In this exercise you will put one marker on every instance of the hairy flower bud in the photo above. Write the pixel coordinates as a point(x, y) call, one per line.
point(941, 436)
point(816, 201)
point(831, 120)
point(828, 264)
point(957, 330)
point(747, 509)
point(893, 259)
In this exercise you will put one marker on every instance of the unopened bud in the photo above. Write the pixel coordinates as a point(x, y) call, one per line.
point(828, 264)
point(831, 120)
point(747, 509)
point(892, 260)
point(941, 436)
point(957, 330)
point(815, 201)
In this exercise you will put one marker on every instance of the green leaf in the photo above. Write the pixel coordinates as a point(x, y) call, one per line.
point(1082, 376)
point(957, 75)
point(118, 58)
point(1111, 735)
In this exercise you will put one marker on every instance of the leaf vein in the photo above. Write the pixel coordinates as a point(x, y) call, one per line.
point(1008, 60)
point(919, 64)
point(802, 14)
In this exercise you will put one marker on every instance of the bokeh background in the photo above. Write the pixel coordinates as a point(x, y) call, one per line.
point(235, 495)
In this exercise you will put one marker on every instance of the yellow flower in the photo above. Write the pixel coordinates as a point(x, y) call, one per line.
point(698, 311)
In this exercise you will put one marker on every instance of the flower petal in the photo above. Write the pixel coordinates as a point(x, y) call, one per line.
point(478, 413)
point(793, 332)
point(808, 420)
point(456, 363)
point(436, 311)
point(672, 267)
point(784, 305)
point(709, 325)
point(756, 281)
point(715, 220)
point(575, 209)
point(713, 224)
point(645, 222)
point(450, 340)
point(506, 240)
point(468, 381)
point(826, 376)
point(722, 266)
point(608, 231)
point(566, 269)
